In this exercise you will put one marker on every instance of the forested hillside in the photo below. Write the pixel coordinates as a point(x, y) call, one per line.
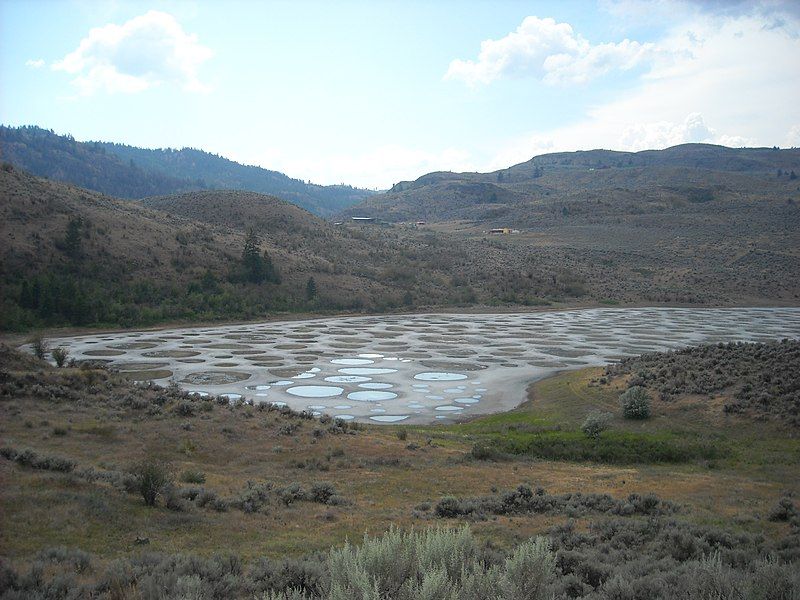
point(129, 172)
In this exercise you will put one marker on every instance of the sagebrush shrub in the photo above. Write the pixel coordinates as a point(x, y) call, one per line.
point(595, 424)
point(151, 477)
point(60, 355)
point(635, 403)
point(190, 476)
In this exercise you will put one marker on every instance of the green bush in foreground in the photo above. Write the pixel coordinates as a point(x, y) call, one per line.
point(437, 563)
point(635, 403)
point(623, 558)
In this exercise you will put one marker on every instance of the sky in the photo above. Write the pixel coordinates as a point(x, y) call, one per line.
point(371, 93)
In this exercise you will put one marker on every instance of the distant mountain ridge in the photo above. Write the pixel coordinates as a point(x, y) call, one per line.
point(550, 186)
point(130, 172)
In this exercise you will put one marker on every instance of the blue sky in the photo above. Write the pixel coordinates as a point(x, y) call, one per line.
point(370, 93)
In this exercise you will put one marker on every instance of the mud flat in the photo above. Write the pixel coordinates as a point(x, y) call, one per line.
point(437, 368)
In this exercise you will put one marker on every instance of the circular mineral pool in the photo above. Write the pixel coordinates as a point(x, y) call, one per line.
point(305, 375)
point(432, 397)
point(316, 407)
point(366, 371)
point(352, 361)
point(344, 417)
point(260, 388)
point(315, 391)
point(389, 418)
point(376, 386)
point(449, 407)
point(371, 396)
point(283, 382)
point(466, 400)
point(370, 355)
point(416, 406)
point(342, 406)
point(347, 379)
point(439, 376)
point(377, 410)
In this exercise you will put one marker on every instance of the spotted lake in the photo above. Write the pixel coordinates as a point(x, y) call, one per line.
point(414, 368)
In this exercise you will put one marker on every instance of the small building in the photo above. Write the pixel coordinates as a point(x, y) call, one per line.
point(500, 231)
point(421, 223)
point(363, 219)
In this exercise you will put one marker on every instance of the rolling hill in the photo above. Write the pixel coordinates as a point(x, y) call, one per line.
point(599, 183)
point(129, 172)
point(73, 256)
point(590, 235)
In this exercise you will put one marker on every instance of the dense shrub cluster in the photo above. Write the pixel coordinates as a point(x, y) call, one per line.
point(525, 500)
point(434, 564)
point(617, 559)
point(28, 458)
point(615, 447)
point(632, 559)
point(763, 378)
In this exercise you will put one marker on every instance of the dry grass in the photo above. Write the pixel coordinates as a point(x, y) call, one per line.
point(379, 475)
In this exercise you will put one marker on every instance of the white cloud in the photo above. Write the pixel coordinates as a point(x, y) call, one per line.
point(148, 50)
point(34, 64)
point(549, 51)
point(723, 80)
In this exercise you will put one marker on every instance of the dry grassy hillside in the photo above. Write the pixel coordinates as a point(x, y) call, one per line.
point(126, 264)
point(123, 239)
point(129, 264)
point(681, 180)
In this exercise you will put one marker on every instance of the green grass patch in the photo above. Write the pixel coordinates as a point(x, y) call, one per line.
point(616, 447)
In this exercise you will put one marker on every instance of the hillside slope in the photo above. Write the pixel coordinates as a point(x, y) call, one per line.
point(129, 172)
point(597, 183)
point(71, 256)
point(220, 173)
point(138, 265)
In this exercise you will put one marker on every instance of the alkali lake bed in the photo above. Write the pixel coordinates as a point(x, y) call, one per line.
point(420, 368)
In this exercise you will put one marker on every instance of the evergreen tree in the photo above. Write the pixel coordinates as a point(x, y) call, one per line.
point(72, 240)
point(271, 272)
point(311, 289)
point(251, 259)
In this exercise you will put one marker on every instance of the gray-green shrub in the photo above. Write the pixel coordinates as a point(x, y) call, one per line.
point(60, 355)
point(595, 424)
point(152, 477)
point(635, 403)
